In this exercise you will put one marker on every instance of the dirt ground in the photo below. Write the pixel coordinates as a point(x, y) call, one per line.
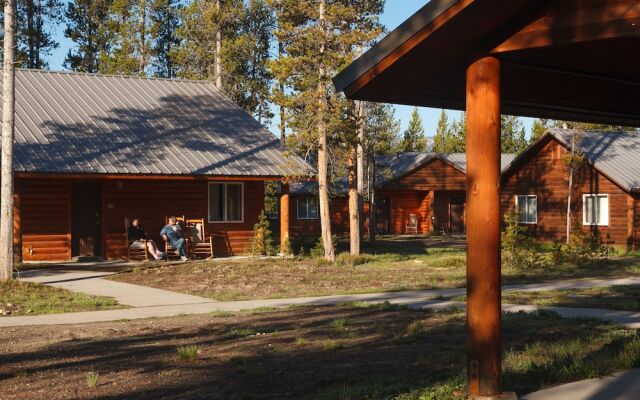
point(338, 352)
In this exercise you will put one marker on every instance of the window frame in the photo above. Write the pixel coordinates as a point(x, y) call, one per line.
point(306, 198)
point(584, 208)
point(527, 196)
point(224, 207)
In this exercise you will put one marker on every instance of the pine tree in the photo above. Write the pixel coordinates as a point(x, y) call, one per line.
point(165, 21)
point(442, 134)
point(414, 139)
point(321, 38)
point(538, 128)
point(87, 22)
point(512, 135)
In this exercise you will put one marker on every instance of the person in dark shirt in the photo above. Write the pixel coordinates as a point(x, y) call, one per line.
point(172, 233)
point(137, 236)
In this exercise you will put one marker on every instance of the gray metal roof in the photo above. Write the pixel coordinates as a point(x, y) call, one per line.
point(615, 154)
point(84, 123)
point(394, 166)
point(403, 163)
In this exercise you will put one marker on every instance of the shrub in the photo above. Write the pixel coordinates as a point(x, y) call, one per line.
point(416, 328)
point(518, 250)
point(584, 247)
point(262, 242)
point(318, 250)
point(188, 353)
point(340, 324)
point(92, 379)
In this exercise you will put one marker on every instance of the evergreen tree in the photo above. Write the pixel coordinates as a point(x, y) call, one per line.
point(414, 139)
point(538, 128)
point(457, 139)
point(34, 39)
point(512, 134)
point(165, 21)
point(321, 38)
point(245, 56)
point(382, 129)
point(442, 134)
point(87, 22)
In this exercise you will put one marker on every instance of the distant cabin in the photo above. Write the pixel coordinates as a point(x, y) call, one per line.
point(606, 190)
point(91, 150)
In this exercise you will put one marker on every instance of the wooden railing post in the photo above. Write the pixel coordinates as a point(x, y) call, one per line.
point(284, 218)
point(483, 229)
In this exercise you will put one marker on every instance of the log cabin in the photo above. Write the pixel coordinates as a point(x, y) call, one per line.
point(430, 186)
point(91, 150)
point(605, 191)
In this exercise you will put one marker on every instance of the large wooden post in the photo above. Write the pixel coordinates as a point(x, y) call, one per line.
point(483, 229)
point(284, 218)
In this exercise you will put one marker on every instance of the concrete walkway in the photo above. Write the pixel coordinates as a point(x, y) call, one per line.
point(91, 282)
point(621, 386)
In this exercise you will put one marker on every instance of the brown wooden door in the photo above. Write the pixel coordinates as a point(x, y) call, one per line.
point(383, 213)
point(456, 214)
point(86, 219)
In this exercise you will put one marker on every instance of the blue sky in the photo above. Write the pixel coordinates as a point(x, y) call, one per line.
point(395, 12)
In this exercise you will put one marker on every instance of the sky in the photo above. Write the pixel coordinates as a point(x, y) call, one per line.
point(395, 12)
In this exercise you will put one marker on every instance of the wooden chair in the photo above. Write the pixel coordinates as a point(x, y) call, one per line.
point(135, 253)
point(201, 246)
point(169, 250)
point(412, 227)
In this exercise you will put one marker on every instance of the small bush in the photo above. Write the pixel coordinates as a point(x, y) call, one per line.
point(318, 250)
point(188, 353)
point(92, 379)
point(583, 248)
point(262, 242)
point(340, 324)
point(302, 342)
point(416, 328)
point(519, 251)
point(331, 345)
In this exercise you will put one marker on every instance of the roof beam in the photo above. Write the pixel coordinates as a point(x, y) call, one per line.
point(577, 21)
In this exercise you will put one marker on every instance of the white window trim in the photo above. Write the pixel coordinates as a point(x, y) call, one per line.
point(517, 208)
point(224, 207)
point(298, 208)
point(584, 208)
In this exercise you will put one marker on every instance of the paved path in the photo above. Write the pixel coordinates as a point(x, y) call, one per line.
point(621, 386)
point(91, 282)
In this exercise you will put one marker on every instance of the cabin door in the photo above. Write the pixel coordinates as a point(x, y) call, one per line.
point(456, 214)
point(383, 213)
point(86, 219)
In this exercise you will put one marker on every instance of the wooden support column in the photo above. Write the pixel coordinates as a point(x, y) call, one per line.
point(284, 218)
point(483, 229)
point(17, 222)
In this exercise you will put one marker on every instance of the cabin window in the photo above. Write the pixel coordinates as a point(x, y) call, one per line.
point(226, 202)
point(595, 209)
point(527, 206)
point(307, 208)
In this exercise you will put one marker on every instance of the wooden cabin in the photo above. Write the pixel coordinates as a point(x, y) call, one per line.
point(91, 150)
point(606, 188)
point(430, 186)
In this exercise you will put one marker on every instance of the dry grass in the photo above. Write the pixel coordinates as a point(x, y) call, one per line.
point(300, 353)
point(611, 298)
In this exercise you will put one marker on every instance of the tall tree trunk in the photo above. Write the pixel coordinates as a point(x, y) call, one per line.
point(570, 191)
point(143, 37)
point(323, 162)
point(360, 165)
point(283, 111)
point(354, 212)
point(218, 62)
point(6, 169)
point(373, 222)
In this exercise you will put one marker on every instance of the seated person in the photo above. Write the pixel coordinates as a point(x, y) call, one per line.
point(137, 236)
point(172, 233)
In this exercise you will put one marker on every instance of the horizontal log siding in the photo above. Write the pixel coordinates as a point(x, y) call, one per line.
point(434, 175)
point(403, 204)
point(545, 174)
point(441, 208)
point(153, 201)
point(338, 210)
point(45, 220)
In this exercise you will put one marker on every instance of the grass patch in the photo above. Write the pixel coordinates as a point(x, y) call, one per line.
point(416, 328)
point(625, 297)
point(332, 345)
point(221, 314)
point(242, 332)
point(92, 379)
point(389, 264)
point(26, 298)
point(302, 342)
point(188, 353)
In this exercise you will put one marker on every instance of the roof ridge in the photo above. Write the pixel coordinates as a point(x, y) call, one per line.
point(101, 75)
